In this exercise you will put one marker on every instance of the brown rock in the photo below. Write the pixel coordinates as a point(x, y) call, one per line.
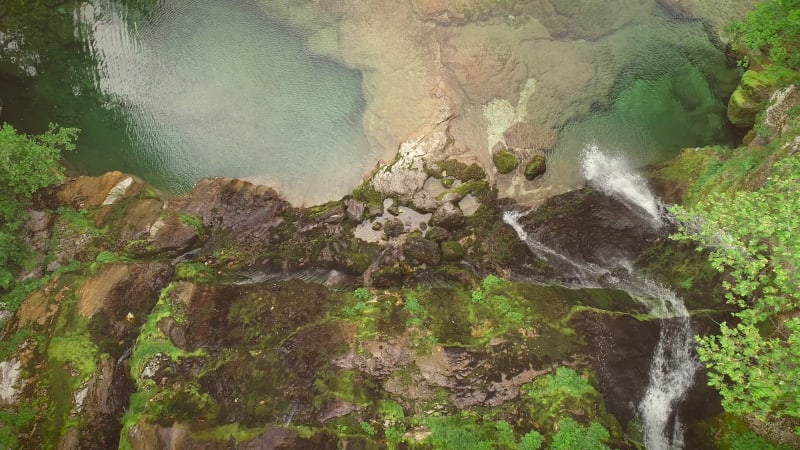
point(84, 192)
point(245, 210)
point(448, 216)
point(173, 235)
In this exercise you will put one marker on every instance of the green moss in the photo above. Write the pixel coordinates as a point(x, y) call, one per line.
point(12, 299)
point(152, 340)
point(140, 248)
point(193, 221)
point(452, 251)
point(367, 194)
point(454, 168)
point(193, 271)
point(554, 397)
point(10, 345)
point(535, 167)
point(475, 187)
point(505, 161)
point(232, 432)
point(754, 90)
point(77, 351)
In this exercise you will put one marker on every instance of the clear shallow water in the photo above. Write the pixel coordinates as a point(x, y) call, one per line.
point(198, 88)
point(671, 93)
point(194, 88)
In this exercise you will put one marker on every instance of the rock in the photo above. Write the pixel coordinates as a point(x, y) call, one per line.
point(448, 216)
point(588, 226)
point(245, 211)
point(531, 136)
point(418, 251)
point(452, 251)
point(354, 209)
point(407, 174)
point(777, 117)
point(505, 161)
point(84, 192)
point(377, 226)
point(536, 167)
point(10, 372)
point(753, 90)
point(173, 236)
point(107, 395)
point(437, 234)
point(393, 228)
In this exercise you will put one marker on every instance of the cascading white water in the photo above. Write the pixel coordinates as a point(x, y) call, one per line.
point(674, 364)
point(585, 273)
point(614, 177)
point(672, 371)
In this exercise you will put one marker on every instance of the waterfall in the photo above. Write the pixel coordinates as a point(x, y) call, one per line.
point(672, 373)
point(674, 364)
point(585, 273)
point(614, 177)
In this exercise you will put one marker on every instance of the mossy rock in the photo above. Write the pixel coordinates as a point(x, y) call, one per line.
point(753, 91)
point(452, 251)
point(505, 161)
point(452, 168)
point(536, 167)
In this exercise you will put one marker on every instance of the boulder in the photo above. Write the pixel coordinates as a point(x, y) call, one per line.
point(354, 209)
point(536, 167)
point(452, 251)
point(247, 212)
point(173, 235)
point(505, 161)
point(437, 234)
point(393, 228)
point(418, 251)
point(84, 192)
point(448, 216)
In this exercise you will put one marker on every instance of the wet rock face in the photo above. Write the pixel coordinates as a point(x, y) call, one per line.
point(244, 210)
point(118, 309)
point(106, 400)
point(621, 349)
point(589, 226)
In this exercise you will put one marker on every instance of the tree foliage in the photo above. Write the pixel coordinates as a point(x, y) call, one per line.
point(754, 238)
point(771, 30)
point(27, 164)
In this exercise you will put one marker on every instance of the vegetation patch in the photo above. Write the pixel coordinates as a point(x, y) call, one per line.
point(505, 161)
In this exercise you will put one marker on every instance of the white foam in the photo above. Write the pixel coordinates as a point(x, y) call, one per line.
point(614, 176)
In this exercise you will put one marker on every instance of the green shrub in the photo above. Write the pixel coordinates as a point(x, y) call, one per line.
point(572, 435)
point(27, 164)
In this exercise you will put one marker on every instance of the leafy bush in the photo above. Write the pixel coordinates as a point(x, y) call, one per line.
point(752, 236)
point(772, 29)
point(27, 164)
point(572, 435)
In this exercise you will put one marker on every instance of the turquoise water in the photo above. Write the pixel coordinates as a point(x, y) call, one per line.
point(672, 95)
point(195, 88)
point(178, 90)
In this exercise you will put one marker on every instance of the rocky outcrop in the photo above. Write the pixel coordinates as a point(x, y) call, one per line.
point(243, 211)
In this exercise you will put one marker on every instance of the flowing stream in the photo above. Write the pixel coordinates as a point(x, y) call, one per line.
point(674, 364)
